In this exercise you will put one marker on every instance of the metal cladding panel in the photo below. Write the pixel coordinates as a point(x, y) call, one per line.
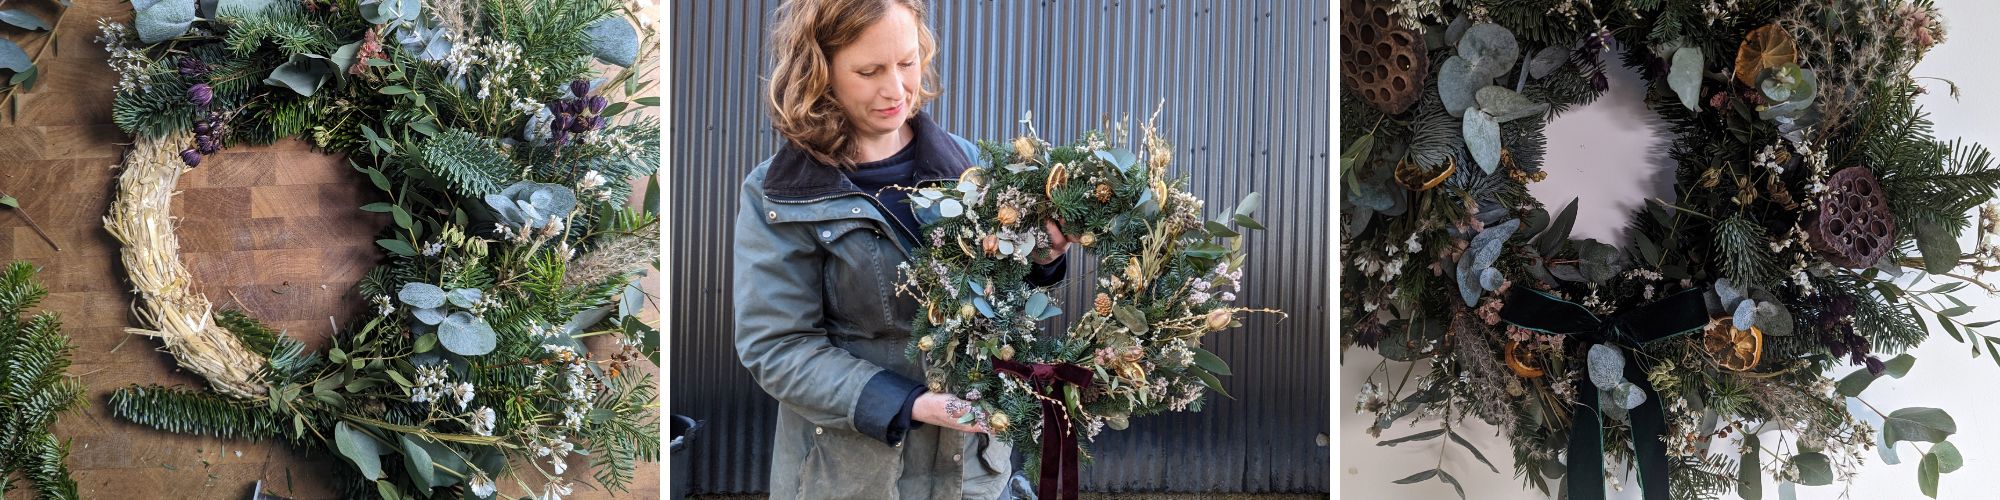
point(1247, 106)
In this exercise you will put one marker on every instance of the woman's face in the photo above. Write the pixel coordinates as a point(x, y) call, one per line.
point(875, 79)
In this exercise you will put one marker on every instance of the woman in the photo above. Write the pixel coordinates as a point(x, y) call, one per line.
point(822, 228)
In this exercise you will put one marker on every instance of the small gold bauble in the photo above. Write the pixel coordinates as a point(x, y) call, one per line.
point(997, 421)
point(926, 343)
point(1006, 353)
point(1087, 239)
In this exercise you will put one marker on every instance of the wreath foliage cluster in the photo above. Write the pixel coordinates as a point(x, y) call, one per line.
point(505, 153)
point(1810, 201)
point(1167, 276)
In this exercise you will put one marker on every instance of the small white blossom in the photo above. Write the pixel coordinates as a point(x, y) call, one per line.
point(463, 392)
point(483, 421)
point(481, 485)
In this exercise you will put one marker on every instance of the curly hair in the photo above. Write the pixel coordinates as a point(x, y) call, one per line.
point(799, 95)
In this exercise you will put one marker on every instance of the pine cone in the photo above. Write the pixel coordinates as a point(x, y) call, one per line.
point(1103, 193)
point(1103, 304)
point(1853, 227)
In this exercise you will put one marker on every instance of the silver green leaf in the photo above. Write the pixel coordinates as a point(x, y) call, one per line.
point(614, 41)
point(12, 58)
point(1546, 61)
point(161, 20)
point(466, 335)
point(1485, 248)
point(418, 294)
point(1929, 425)
point(1507, 105)
point(1685, 77)
point(303, 73)
point(1814, 469)
point(23, 19)
point(464, 297)
point(360, 449)
point(1482, 137)
point(1490, 48)
point(1457, 85)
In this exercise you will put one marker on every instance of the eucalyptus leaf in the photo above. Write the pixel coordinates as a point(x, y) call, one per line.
point(303, 73)
point(1037, 302)
point(419, 294)
point(1485, 248)
point(1482, 137)
point(23, 19)
point(1929, 425)
point(417, 461)
point(1490, 279)
point(162, 20)
point(1507, 105)
point(1750, 475)
point(1209, 361)
point(466, 335)
point(1939, 247)
point(429, 315)
point(985, 308)
point(1546, 61)
point(1927, 475)
point(359, 449)
point(1598, 261)
point(464, 297)
point(1356, 152)
point(1685, 77)
point(614, 41)
point(1814, 469)
point(1490, 48)
point(1421, 436)
point(1458, 86)
point(1551, 240)
point(1947, 457)
point(1414, 478)
point(12, 58)
point(1456, 31)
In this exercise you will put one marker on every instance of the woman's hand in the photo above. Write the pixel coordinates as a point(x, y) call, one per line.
point(944, 410)
point(1057, 243)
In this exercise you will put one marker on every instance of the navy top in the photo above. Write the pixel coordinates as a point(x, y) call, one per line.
point(876, 177)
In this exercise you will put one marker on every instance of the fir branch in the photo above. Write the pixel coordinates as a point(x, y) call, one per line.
point(471, 164)
point(192, 411)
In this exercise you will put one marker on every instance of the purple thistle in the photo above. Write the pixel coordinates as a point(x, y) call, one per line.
point(597, 104)
point(1874, 365)
point(200, 94)
point(203, 127)
point(560, 124)
point(193, 67)
point(191, 157)
point(206, 144)
point(579, 88)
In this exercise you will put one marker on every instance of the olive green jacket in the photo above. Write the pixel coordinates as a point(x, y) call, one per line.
point(820, 327)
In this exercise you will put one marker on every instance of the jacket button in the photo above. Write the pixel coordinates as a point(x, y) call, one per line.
point(826, 235)
point(819, 430)
point(956, 457)
point(857, 210)
point(773, 215)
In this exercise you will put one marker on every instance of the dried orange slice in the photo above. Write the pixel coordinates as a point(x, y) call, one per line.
point(1764, 48)
point(1732, 348)
point(1519, 366)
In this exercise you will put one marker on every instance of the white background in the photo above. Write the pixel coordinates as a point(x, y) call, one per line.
point(1609, 154)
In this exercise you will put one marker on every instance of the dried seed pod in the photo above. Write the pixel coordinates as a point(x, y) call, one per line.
point(1009, 215)
point(1103, 304)
point(1379, 58)
point(1103, 193)
point(1853, 227)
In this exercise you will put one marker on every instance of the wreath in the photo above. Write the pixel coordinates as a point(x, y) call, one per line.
point(504, 162)
point(1811, 198)
point(1166, 278)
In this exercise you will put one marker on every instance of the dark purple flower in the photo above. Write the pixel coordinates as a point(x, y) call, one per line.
point(200, 94)
point(560, 136)
point(1599, 82)
point(203, 127)
point(597, 122)
point(579, 88)
point(560, 124)
point(597, 104)
point(1874, 365)
point(206, 144)
point(193, 67)
point(191, 157)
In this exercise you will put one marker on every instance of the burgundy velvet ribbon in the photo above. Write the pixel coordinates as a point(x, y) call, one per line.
point(1059, 448)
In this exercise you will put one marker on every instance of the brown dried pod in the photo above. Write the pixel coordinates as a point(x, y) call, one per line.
point(1103, 193)
point(1853, 227)
point(1381, 59)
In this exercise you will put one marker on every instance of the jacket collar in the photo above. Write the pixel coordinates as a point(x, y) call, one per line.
point(795, 176)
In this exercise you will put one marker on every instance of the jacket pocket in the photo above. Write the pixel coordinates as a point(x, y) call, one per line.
point(846, 465)
point(860, 276)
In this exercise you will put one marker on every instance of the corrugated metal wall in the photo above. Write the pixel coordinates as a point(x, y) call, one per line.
point(1246, 86)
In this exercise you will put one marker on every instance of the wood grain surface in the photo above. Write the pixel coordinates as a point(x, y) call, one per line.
point(272, 230)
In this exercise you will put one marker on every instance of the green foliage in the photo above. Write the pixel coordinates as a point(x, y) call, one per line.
point(470, 164)
point(34, 390)
point(155, 111)
point(283, 25)
point(192, 411)
point(1745, 252)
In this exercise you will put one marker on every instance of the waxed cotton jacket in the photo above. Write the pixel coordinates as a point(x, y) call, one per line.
point(820, 327)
